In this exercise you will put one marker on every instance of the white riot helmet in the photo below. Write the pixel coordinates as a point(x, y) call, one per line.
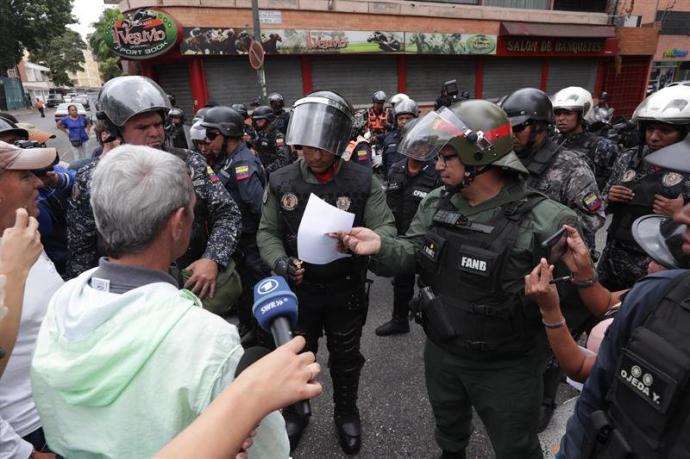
point(670, 105)
point(197, 131)
point(397, 98)
point(574, 99)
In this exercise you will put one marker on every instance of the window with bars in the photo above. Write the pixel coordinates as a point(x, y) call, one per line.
point(674, 22)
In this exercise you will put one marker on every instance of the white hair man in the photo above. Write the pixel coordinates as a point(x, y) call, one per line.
point(125, 360)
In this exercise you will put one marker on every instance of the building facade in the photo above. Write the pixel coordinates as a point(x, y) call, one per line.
point(35, 79)
point(672, 55)
point(356, 47)
point(89, 77)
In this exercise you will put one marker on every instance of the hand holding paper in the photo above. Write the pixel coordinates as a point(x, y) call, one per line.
point(319, 219)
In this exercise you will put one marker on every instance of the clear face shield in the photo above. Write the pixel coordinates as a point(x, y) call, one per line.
point(320, 122)
point(442, 128)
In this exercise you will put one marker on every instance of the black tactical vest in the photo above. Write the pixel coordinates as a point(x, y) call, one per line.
point(540, 161)
point(645, 186)
point(464, 264)
point(348, 191)
point(404, 192)
point(265, 146)
point(650, 395)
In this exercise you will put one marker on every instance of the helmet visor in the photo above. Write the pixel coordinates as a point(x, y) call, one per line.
point(320, 122)
point(662, 239)
point(431, 133)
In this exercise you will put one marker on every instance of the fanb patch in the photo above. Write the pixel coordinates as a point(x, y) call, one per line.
point(343, 203)
point(242, 172)
point(671, 179)
point(592, 202)
point(289, 201)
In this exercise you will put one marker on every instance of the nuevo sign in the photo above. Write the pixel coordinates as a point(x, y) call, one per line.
point(142, 34)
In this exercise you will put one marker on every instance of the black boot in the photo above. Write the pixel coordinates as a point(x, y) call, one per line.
point(349, 430)
point(395, 327)
point(452, 455)
point(294, 425)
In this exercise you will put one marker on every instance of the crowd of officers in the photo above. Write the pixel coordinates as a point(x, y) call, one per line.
point(461, 197)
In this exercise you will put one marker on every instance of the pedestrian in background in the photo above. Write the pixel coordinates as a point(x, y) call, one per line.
point(41, 107)
point(77, 127)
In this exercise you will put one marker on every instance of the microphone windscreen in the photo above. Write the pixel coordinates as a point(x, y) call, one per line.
point(273, 298)
point(250, 356)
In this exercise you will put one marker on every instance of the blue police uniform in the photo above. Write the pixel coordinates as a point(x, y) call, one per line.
point(390, 150)
point(637, 305)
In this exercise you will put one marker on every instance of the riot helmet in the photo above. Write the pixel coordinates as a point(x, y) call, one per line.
point(322, 119)
point(358, 124)
point(662, 239)
point(379, 97)
point(406, 106)
point(670, 105)
point(199, 115)
point(603, 96)
point(276, 101)
point(393, 101)
point(172, 100)
point(573, 99)
point(528, 104)
point(124, 97)
point(264, 112)
point(241, 109)
point(176, 113)
point(7, 127)
point(225, 120)
point(478, 131)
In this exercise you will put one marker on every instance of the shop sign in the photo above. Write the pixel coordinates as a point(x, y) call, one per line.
point(270, 17)
point(676, 53)
point(142, 34)
point(216, 41)
point(550, 46)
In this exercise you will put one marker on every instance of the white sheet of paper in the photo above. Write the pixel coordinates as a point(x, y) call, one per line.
point(320, 218)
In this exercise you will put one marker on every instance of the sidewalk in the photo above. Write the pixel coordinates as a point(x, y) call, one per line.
point(21, 112)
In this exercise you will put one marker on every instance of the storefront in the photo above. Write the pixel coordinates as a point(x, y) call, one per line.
point(487, 58)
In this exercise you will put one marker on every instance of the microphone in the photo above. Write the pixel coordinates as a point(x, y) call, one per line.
point(275, 310)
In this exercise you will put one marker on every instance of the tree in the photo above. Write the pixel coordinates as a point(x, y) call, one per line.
point(108, 62)
point(30, 25)
point(62, 54)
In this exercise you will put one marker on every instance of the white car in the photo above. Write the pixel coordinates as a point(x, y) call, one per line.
point(61, 110)
point(679, 83)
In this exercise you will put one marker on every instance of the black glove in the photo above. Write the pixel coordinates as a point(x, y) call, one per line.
point(286, 268)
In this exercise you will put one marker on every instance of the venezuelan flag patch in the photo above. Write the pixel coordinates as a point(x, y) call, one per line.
point(592, 202)
point(242, 172)
point(212, 175)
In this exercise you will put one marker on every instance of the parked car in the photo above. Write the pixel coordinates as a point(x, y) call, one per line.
point(61, 110)
point(679, 83)
point(54, 100)
point(82, 99)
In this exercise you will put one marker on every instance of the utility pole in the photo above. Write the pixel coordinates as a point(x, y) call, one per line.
point(260, 75)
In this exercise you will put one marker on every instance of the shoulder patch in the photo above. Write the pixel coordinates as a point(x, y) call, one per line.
point(592, 202)
point(362, 154)
point(242, 172)
point(211, 174)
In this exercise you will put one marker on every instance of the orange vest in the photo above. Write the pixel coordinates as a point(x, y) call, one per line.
point(375, 121)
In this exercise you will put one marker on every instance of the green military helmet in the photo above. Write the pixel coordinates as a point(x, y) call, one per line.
point(476, 130)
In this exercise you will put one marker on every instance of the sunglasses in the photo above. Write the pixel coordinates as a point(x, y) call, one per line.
point(445, 158)
point(520, 127)
point(211, 135)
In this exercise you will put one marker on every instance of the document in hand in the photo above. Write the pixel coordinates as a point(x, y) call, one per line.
point(320, 218)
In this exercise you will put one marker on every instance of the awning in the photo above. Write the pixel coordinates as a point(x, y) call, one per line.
point(527, 29)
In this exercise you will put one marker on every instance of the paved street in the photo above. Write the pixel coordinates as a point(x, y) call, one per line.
point(396, 415)
point(47, 124)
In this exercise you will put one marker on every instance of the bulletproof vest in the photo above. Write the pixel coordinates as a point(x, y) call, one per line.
point(650, 394)
point(348, 191)
point(405, 192)
point(265, 146)
point(228, 177)
point(584, 144)
point(645, 186)
point(281, 121)
point(537, 163)
point(464, 263)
